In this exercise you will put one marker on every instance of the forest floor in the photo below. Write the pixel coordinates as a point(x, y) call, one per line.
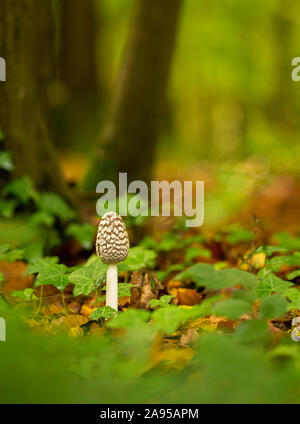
point(205, 315)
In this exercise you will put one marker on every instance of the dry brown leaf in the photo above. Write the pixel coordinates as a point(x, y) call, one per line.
point(14, 277)
point(146, 293)
point(190, 336)
point(188, 297)
point(86, 310)
point(64, 324)
point(76, 332)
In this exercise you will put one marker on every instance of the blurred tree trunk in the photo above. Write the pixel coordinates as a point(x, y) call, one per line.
point(78, 71)
point(25, 39)
point(130, 137)
point(281, 110)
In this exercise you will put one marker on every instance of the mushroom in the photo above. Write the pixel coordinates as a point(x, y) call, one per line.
point(112, 246)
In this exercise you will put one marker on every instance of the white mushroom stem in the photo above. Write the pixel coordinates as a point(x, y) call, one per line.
point(112, 286)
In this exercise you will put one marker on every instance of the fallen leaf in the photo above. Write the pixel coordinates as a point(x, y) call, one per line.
point(187, 338)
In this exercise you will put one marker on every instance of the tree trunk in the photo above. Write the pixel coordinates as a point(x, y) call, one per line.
point(24, 43)
point(129, 140)
point(78, 118)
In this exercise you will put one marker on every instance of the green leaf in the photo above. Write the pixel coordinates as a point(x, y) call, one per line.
point(293, 295)
point(138, 258)
point(6, 161)
point(246, 295)
point(288, 241)
point(26, 295)
point(40, 264)
point(11, 255)
point(271, 283)
point(7, 207)
point(1, 277)
point(124, 289)
point(22, 189)
point(229, 277)
point(169, 319)
point(33, 252)
point(252, 330)
point(86, 277)
point(269, 250)
point(273, 306)
point(54, 205)
point(169, 242)
point(4, 248)
point(194, 252)
point(129, 318)
point(105, 312)
point(84, 233)
point(1, 135)
point(201, 274)
point(54, 275)
point(232, 308)
point(42, 218)
point(238, 234)
point(275, 263)
point(163, 301)
point(293, 275)
point(162, 274)
point(205, 275)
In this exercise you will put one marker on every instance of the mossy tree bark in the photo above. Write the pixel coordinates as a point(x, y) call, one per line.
point(129, 140)
point(25, 36)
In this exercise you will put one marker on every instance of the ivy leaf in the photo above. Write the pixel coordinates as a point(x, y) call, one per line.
point(86, 277)
point(293, 275)
point(138, 258)
point(232, 308)
point(26, 295)
point(33, 252)
point(10, 255)
point(54, 205)
point(274, 264)
point(129, 318)
point(163, 301)
point(40, 264)
point(84, 233)
point(271, 283)
point(54, 275)
point(269, 250)
point(124, 289)
point(273, 306)
point(293, 295)
point(105, 312)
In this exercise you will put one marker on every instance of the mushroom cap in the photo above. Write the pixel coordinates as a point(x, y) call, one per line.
point(112, 243)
